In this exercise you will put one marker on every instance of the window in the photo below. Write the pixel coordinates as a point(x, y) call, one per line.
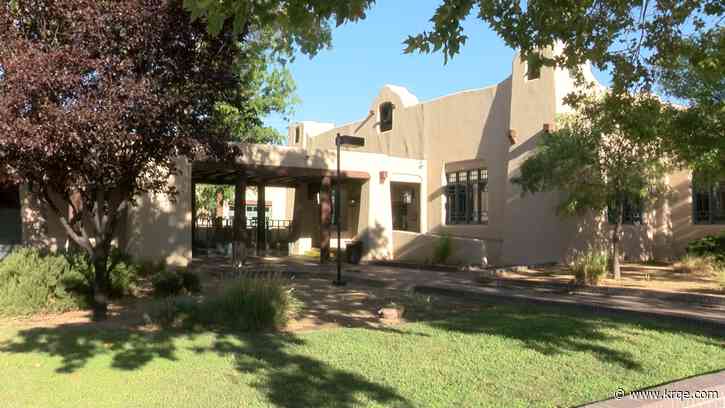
point(533, 67)
point(632, 212)
point(467, 197)
point(708, 204)
point(386, 116)
point(297, 135)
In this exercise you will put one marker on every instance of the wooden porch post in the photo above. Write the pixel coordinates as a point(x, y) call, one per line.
point(240, 221)
point(261, 220)
point(325, 217)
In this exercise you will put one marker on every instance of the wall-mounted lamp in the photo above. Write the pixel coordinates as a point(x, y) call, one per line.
point(513, 134)
point(383, 176)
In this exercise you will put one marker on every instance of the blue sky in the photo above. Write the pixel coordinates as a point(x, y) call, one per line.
point(339, 84)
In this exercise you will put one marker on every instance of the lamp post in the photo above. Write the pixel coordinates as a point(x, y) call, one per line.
point(341, 140)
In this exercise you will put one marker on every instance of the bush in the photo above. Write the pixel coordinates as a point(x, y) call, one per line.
point(442, 250)
point(249, 304)
point(33, 282)
point(710, 246)
point(172, 283)
point(590, 267)
point(693, 264)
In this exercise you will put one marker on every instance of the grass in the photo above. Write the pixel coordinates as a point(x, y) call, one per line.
point(500, 355)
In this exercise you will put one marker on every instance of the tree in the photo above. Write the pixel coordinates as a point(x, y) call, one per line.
point(674, 47)
point(98, 99)
point(303, 25)
point(268, 87)
point(594, 158)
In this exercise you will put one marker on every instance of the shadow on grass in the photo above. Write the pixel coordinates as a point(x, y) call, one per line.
point(289, 378)
point(547, 330)
point(286, 378)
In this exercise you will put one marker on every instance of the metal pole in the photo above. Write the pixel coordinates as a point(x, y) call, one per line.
point(339, 281)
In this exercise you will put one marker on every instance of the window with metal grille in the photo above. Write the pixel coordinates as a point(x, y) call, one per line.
point(633, 212)
point(467, 197)
point(297, 135)
point(708, 204)
point(386, 116)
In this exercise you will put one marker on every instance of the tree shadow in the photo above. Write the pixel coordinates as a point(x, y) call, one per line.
point(287, 378)
point(547, 330)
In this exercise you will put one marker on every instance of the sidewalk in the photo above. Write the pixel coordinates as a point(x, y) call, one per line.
point(692, 392)
point(465, 284)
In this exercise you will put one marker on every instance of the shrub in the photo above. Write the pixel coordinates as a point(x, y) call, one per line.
point(709, 246)
point(442, 250)
point(32, 282)
point(590, 267)
point(191, 282)
point(693, 264)
point(249, 304)
point(172, 283)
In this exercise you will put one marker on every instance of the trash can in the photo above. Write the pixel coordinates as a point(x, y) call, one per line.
point(353, 252)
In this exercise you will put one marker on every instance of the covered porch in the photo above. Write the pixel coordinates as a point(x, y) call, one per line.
point(307, 199)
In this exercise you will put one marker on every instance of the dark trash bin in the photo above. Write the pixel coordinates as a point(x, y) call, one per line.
point(353, 252)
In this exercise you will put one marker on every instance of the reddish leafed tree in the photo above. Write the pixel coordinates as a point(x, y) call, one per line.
point(97, 100)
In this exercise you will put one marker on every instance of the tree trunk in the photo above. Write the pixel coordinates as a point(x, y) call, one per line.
point(616, 271)
point(100, 288)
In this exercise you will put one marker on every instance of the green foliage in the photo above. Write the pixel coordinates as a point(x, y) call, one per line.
point(442, 250)
point(632, 39)
point(206, 196)
point(595, 162)
point(172, 283)
point(249, 304)
point(601, 158)
point(293, 24)
point(711, 246)
point(590, 267)
point(34, 282)
point(677, 49)
point(268, 87)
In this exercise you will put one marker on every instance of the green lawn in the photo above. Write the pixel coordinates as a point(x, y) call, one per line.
point(506, 355)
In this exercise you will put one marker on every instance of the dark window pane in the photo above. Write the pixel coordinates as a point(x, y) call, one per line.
point(466, 198)
point(386, 116)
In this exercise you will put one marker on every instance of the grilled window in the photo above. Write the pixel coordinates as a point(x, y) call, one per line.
point(467, 197)
point(297, 135)
point(708, 204)
point(633, 212)
point(386, 116)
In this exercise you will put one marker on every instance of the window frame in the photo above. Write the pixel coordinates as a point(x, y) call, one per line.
point(466, 194)
point(714, 194)
point(386, 124)
point(633, 213)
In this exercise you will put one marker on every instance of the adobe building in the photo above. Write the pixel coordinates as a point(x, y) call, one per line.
point(427, 170)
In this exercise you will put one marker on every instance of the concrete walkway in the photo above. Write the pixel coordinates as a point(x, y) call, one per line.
point(466, 284)
point(705, 391)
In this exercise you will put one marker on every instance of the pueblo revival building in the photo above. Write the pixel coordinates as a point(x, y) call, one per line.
point(428, 170)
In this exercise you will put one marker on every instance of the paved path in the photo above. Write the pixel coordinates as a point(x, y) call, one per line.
point(464, 283)
point(705, 391)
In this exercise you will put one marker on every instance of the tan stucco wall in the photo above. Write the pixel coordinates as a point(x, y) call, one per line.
point(40, 226)
point(159, 226)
